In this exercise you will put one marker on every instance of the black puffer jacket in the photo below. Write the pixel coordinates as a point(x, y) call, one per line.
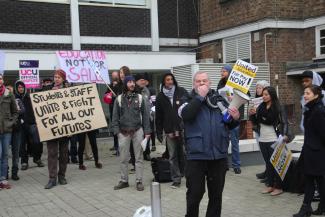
point(167, 118)
point(28, 117)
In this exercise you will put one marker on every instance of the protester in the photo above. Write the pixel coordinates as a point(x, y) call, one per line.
point(47, 84)
point(117, 87)
point(57, 148)
point(93, 143)
point(17, 134)
point(271, 122)
point(234, 133)
point(207, 144)
point(130, 122)
point(313, 150)
point(260, 85)
point(141, 88)
point(30, 139)
point(152, 111)
point(169, 99)
point(8, 118)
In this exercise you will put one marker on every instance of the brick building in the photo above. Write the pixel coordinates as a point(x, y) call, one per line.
point(146, 35)
point(290, 35)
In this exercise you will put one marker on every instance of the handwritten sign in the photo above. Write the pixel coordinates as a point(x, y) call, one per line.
point(2, 62)
point(281, 159)
point(67, 111)
point(29, 73)
point(81, 66)
point(241, 76)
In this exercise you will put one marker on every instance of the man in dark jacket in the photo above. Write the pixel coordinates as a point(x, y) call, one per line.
point(130, 122)
point(207, 140)
point(168, 101)
point(30, 134)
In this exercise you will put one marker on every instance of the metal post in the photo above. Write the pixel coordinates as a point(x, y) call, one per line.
point(155, 199)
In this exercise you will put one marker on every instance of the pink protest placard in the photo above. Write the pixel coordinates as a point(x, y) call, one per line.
point(81, 66)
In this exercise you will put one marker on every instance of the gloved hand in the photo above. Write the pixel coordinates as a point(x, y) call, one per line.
point(160, 137)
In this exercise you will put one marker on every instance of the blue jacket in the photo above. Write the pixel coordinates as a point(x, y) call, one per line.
point(206, 135)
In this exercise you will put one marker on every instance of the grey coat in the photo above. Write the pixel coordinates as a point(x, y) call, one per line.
point(8, 112)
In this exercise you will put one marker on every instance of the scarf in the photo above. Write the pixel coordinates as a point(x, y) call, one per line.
point(267, 116)
point(169, 93)
point(2, 90)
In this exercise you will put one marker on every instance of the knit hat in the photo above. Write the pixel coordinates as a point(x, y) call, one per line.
point(139, 76)
point(263, 83)
point(61, 73)
point(307, 74)
point(228, 68)
point(128, 78)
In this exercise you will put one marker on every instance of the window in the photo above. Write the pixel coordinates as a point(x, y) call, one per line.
point(320, 41)
point(238, 47)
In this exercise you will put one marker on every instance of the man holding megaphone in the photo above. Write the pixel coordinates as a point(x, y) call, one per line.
point(207, 140)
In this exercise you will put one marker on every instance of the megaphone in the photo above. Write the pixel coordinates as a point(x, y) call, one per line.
point(239, 98)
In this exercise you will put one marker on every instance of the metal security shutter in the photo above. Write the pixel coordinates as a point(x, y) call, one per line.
point(238, 47)
point(183, 76)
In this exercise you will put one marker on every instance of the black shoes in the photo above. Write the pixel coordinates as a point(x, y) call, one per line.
point(263, 180)
point(153, 148)
point(261, 175)
point(237, 170)
point(50, 184)
point(175, 185)
point(319, 211)
point(39, 163)
point(147, 157)
point(24, 166)
point(140, 186)
point(15, 177)
point(121, 185)
point(305, 211)
point(62, 180)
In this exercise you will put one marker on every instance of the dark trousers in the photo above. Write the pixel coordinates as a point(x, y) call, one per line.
point(73, 151)
point(30, 143)
point(82, 142)
point(115, 142)
point(273, 178)
point(55, 147)
point(15, 147)
point(310, 189)
point(197, 172)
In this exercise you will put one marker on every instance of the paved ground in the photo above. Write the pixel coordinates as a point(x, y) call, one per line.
point(90, 193)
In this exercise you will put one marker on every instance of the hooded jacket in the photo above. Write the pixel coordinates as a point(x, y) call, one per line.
point(9, 113)
point(317, 80)
point(167, 118)
point(28, 117)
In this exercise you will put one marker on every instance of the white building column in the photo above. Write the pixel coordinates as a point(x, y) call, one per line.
point(154, 25)
point(75, 28)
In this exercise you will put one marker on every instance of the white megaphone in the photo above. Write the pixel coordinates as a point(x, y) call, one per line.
point(239, 98)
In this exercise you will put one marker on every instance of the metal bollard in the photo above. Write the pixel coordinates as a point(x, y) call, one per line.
point(155, 199)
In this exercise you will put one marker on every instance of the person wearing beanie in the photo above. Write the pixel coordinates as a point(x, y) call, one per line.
point(57, 146)
point(8, 119)
point(234, 133)
point(130, 122)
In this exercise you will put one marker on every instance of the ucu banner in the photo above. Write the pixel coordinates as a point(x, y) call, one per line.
point(29, 73)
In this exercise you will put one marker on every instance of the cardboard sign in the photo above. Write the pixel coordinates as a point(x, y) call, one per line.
point(2, 62)
point(281, 159)
point(84, 66)
point(29, 73)
point(67, 111)
point(241, 76)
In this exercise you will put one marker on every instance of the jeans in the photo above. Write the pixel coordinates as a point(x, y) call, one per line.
point(197, 172)
point(57, 149)
point(93, 143)
point(73, 151)
point(15, 147)
point(124, 146)
point(176, 157)
point(273, 178)
point(235, 153)
point(5, 140)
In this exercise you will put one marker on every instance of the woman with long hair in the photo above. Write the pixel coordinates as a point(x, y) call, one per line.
point(313, 151)
point(270, 121)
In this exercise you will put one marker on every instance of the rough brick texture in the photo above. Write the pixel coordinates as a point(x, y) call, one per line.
point(34, 18)
point(187, 18)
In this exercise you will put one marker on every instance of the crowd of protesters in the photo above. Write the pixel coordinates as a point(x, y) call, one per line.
point(197, 147)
